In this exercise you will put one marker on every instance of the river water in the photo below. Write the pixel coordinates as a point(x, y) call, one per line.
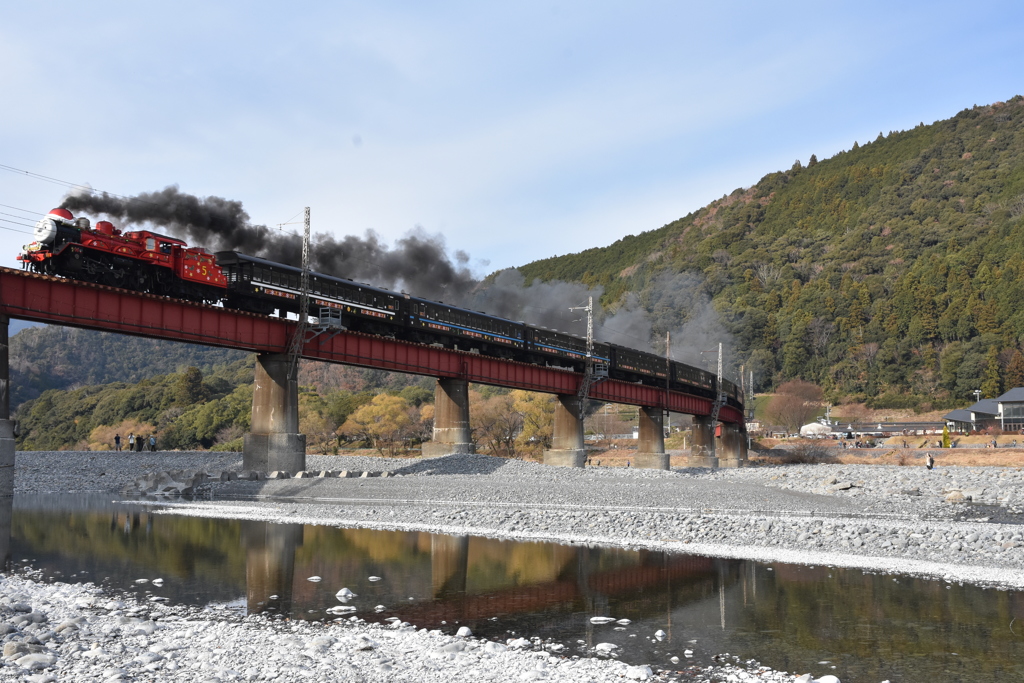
point(869, 627)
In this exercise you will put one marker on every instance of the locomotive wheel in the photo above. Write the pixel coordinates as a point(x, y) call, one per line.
point(143, 281)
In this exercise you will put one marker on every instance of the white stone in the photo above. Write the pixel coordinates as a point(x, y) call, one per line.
point(314, 579)
point(36, 661)
point(828, 679)
point(464, 632)
point(624, 622)
point(660, 635)
point(601, 620)
point(605, 647)
point(340, 609)
point(639, 673)
point(345, 594)
point(374, 578)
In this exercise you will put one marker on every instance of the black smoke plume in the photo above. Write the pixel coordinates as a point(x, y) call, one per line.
point(420, 264)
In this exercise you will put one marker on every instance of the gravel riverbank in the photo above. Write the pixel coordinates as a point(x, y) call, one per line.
point(73, 632)
point(961, 524)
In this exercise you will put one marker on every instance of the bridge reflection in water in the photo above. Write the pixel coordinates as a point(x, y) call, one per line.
point(790, 617)
point(468, 580)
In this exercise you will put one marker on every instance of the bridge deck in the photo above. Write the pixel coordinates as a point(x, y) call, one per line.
point(57, 301)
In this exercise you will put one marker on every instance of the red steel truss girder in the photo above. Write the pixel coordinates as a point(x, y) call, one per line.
point(65, 302)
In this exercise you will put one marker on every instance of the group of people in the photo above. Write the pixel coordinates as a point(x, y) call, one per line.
point(136, 443)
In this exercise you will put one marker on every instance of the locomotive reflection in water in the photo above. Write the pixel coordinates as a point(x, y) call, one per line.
point(149, 262)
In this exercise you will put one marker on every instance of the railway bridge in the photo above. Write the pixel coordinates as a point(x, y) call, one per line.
point(274, 442)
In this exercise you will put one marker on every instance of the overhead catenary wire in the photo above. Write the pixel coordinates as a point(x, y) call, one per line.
point(7, 220)
point(18, 208)
point(58, 181)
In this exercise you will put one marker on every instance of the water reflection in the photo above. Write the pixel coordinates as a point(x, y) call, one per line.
point(270, 565)
point(6, 509)
point(871, 627)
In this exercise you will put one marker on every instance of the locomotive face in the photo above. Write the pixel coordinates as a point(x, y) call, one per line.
point(45, 230)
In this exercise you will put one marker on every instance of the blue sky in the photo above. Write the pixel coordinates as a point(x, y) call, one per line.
point(517, 130)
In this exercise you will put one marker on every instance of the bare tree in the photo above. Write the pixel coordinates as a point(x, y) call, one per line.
point(767, 273)
point(821, 331)
point(498, 425)
point(794, 404)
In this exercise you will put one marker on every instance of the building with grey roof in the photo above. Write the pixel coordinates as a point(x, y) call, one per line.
point(978, 417)
point(1005, 413)
point(1011, 410)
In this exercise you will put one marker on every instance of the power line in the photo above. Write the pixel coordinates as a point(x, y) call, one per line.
point(66, 183)
point(14, 215)
point(7, 220)
point(18, 208)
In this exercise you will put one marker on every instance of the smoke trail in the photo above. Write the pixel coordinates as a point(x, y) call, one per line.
point(420, 264)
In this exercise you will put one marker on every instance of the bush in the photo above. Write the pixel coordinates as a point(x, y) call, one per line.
point(805, 454)
point(899, 457)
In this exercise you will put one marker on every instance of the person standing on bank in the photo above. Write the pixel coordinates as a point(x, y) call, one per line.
point(140, 443)
point(117, 442)
point(131, 441)
point(152, 443)
point(929, 461)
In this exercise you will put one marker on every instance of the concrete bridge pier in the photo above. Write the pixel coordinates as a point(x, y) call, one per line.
point(732, 450)
point(702, 443)
point(274, 442)
point(650, 451)
point(567, 446)
point(451, 419)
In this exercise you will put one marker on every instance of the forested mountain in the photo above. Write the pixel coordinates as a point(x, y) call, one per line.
point(892, 271)
point(55, 357)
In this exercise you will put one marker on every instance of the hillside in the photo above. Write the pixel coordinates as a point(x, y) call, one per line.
point(52, 357)
point(891, 271)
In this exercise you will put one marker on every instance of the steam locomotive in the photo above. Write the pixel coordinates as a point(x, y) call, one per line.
point(145, 261)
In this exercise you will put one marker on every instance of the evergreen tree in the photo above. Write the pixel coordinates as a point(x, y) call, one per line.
point(991, 385)
point(1015, 371)
point(189, 390)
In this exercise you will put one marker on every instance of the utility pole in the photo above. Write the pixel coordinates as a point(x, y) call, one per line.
point(668, 377)
point(299, 337)
point(719, 391)
point(592, 372)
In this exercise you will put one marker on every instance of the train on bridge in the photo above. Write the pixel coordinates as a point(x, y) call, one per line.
point(145, 261)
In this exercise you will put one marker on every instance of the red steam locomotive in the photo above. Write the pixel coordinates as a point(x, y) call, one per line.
point(143, 261)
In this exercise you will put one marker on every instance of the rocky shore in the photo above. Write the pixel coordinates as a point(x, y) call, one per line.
point(961, 524)
point(73, 632)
